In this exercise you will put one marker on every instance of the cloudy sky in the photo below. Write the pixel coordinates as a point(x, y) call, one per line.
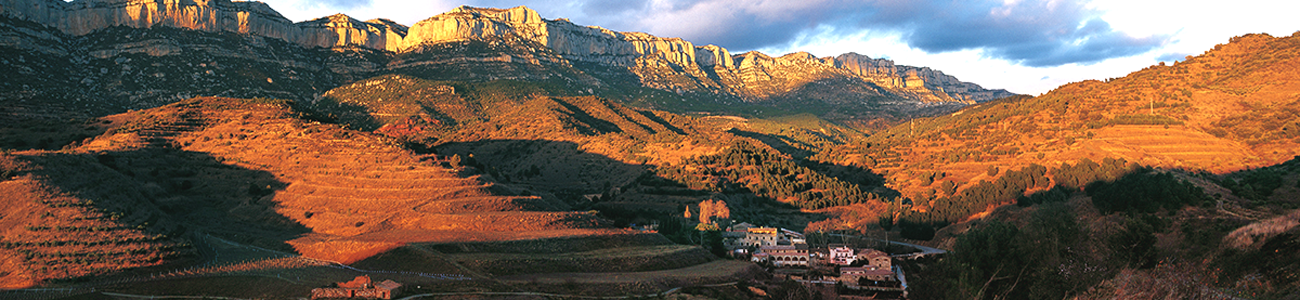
point(1025, 46)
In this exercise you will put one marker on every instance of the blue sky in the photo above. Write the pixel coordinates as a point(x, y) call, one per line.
point(1024, 46)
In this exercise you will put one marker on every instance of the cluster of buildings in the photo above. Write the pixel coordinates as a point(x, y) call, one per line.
point(360, 287)
point(745, 236)
point(836, 263)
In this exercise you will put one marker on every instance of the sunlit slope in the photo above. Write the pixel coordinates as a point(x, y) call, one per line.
point(1236, 106)
point(357, 193)
point(580, 147)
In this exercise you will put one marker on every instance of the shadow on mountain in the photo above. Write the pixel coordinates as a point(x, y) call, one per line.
point(354, 115)
point(776, 142)
point(597, 125)
point(558, 167)
point(129, 210)
point(866, 178)
point(45, 126)
point(626, 193)
point(650, 115)
point(205, 194)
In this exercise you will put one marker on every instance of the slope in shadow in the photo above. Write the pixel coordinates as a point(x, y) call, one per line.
point(72, 215)
point(561, 168)
point(210, 194)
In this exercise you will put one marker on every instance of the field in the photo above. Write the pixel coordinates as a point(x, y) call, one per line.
point(618, 283)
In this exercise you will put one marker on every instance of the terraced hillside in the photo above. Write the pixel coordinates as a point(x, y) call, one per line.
point(1231, 108)
point(69, 216)
point(339, 184)
point(235, 174)
point(577, 148)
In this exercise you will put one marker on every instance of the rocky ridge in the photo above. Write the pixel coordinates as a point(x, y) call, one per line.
point(512, 43)
point(247, 17)
point(710, 68)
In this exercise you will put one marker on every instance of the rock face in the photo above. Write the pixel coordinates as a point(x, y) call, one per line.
point(478, 44)
point(82, 17)
point(708, 67)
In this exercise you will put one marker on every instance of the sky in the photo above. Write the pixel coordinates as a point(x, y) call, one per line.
point(1024, 46)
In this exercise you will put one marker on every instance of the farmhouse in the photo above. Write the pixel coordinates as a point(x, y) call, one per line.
point(875, 258)
point(787, 255)
point(745, 235)
point(857, 275)
point(360, 287)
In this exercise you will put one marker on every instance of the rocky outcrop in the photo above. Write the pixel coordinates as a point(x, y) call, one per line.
point(520, 36)
point(707, 68)
point(883, 72)
point(82, 17)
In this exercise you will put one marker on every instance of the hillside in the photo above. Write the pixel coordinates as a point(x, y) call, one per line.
point(1231, 108)
point(71, 215)
point(630, 164)
point(255, 172)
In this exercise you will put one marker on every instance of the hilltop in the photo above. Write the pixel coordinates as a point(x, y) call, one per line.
point(1229, 109)
point(1176, 181)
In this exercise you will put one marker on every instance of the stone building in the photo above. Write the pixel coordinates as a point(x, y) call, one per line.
point(360, 287)
point(787, 255)
point(875, 258)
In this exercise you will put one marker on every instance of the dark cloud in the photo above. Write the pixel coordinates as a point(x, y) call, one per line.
point(1029, 32)
point(1032, 33)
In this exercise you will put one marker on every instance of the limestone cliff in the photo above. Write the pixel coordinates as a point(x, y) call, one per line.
point(516, 43)
point(81, 17)
point(678, 65)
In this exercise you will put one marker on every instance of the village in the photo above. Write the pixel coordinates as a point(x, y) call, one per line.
point(848, 271)
point(839, 271)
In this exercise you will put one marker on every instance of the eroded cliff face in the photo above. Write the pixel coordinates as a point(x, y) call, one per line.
point(82, 17)
point(470, 43)
point(678, 65)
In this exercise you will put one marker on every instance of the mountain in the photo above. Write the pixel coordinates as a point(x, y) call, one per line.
point(1175, 181)
point(119, 54)
point(1232, 108)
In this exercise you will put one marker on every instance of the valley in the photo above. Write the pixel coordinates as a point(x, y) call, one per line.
point(217, 149)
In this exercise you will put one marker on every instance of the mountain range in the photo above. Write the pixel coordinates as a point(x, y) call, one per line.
point(177, 147)
point(100, 50)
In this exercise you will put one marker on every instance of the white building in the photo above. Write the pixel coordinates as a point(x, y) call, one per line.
point(841, 255)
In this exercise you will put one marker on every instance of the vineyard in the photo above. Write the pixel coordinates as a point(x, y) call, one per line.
point(213, 190)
